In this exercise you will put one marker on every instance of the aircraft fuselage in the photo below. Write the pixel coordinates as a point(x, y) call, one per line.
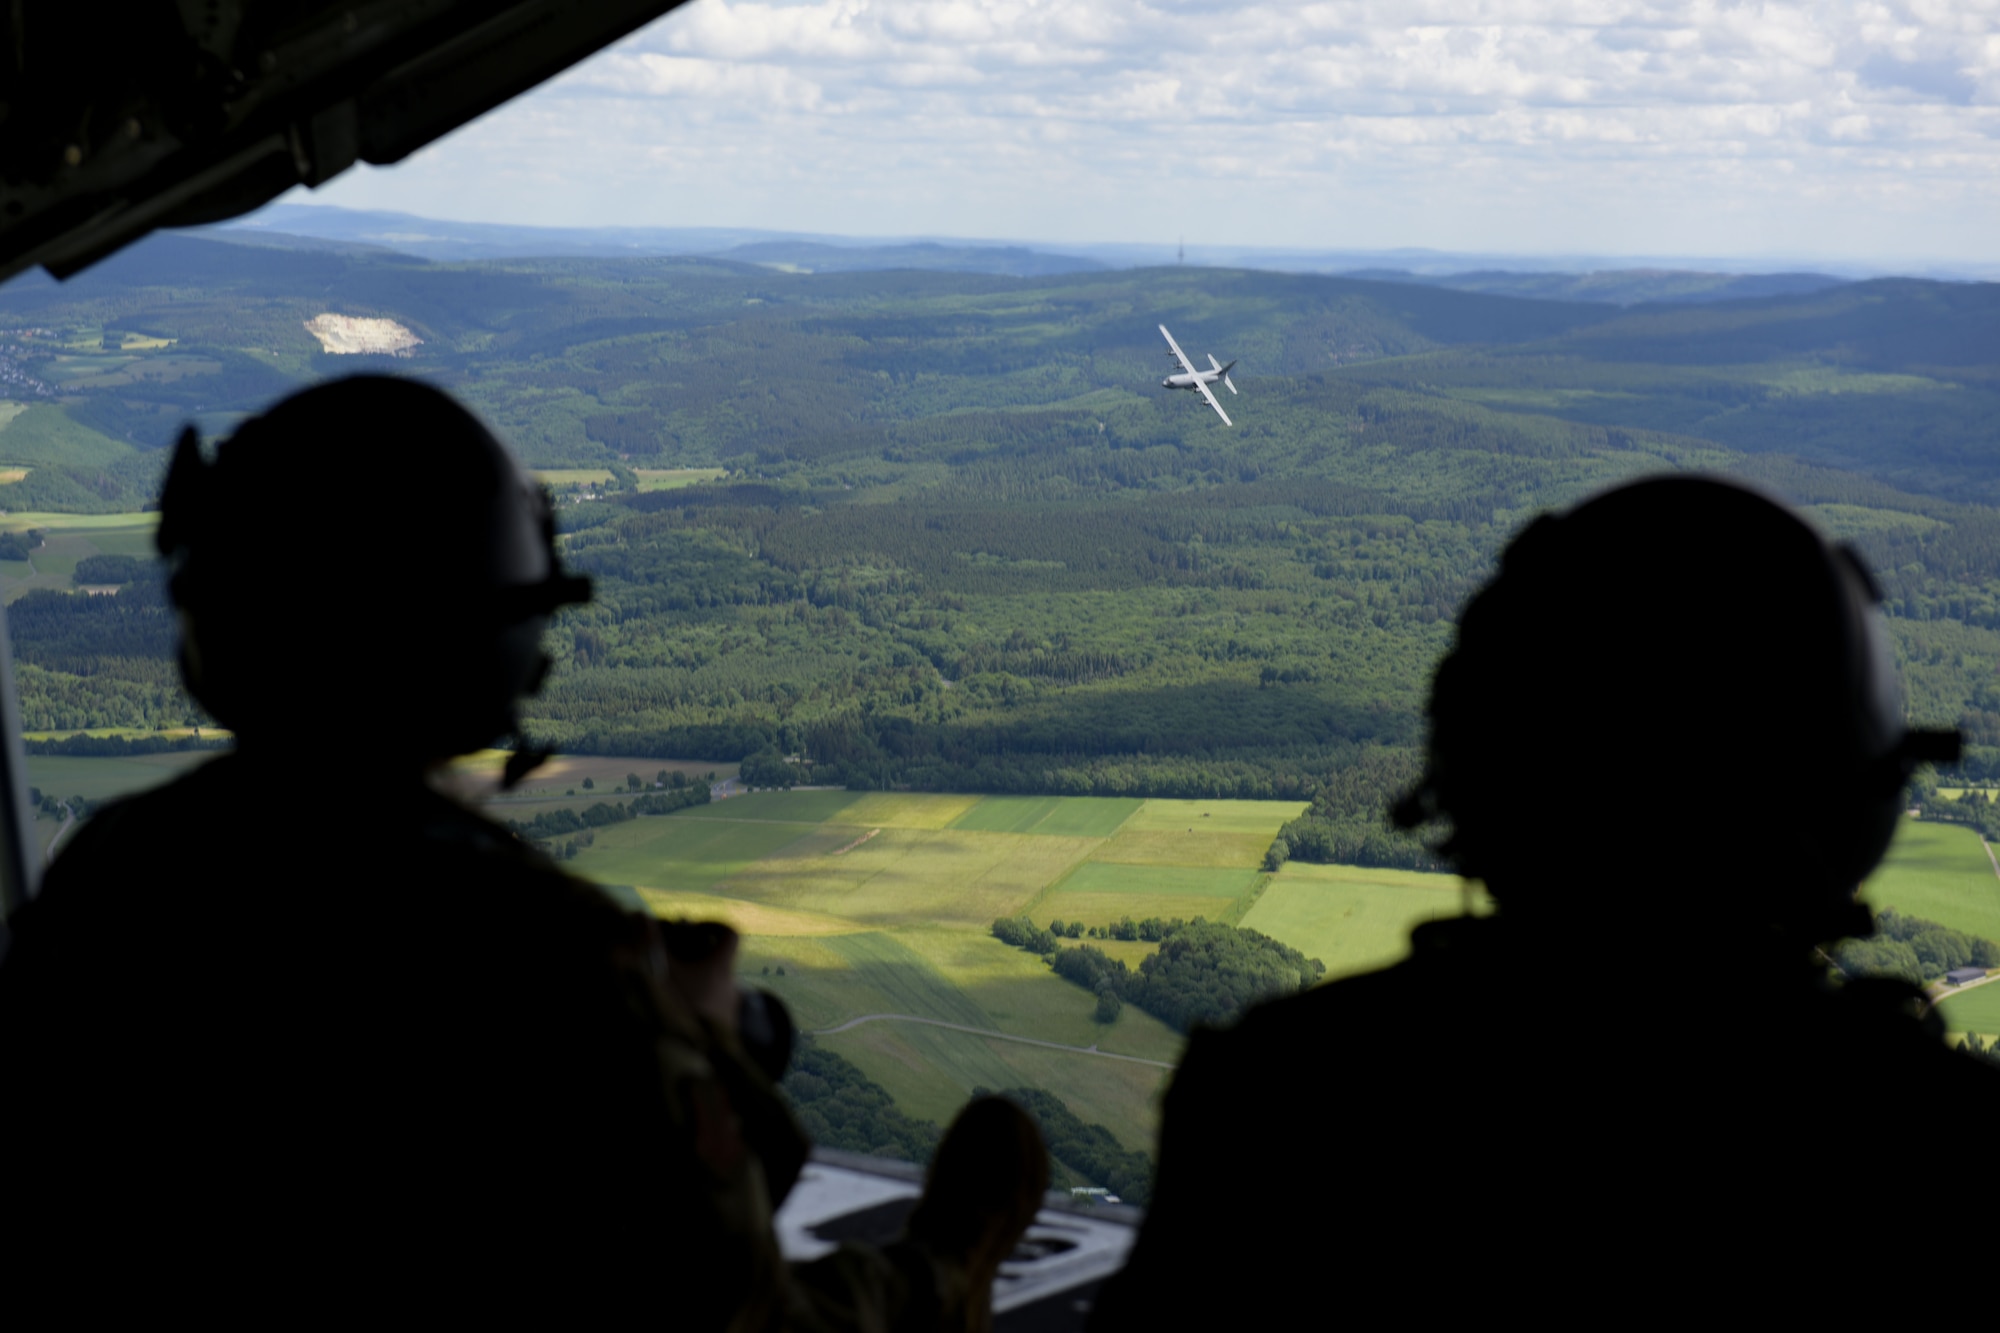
point(1195, 378)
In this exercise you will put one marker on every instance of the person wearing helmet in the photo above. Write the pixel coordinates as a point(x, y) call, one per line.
point(294, 1033)
point(1669, 740)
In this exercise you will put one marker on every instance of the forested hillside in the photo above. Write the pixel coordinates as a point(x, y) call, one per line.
point(966, 542)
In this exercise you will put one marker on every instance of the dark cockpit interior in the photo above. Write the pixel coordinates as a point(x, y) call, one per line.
point(176, 114)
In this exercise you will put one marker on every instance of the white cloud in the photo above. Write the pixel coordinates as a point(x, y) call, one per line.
point(1694, 126)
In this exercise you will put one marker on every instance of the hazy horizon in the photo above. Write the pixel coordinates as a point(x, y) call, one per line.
point(343, 223)
point(1774, 133)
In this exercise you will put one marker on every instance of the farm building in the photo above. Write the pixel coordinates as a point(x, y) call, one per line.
point(1959, 976)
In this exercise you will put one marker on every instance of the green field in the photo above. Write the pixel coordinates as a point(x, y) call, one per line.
point(1978, 1010)
point(1939, 872)
point(63, 777)
point(1008, 814)
point(97, 779)
point(673, 478)
point(863, 903)
point(855, 904)
point(1354, 918)
point(68, 538)
point(137, 522)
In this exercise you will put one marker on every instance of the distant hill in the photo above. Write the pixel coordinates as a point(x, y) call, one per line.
point(815, 257)
point(1625, 287)
point(1563, 278)
point(963, 540)
point(453, 242)
point(1892, 377)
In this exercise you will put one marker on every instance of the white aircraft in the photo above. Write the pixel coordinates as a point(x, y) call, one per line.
point(1198, 380)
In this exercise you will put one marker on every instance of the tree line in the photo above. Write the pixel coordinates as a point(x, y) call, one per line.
point(840, 1107)
point(1913, 950)
point(1348, 822)
point(84, 745)
point(1204, 972)
point(557, 823)
point(1090, 1151)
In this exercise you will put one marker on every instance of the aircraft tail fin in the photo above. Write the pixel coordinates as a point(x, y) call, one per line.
point(1225, 371)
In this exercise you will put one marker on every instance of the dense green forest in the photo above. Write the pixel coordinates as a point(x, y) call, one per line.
point(966, 543)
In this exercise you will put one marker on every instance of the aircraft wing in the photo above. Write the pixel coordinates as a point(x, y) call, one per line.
point(1211, 399)
point(1180, 356)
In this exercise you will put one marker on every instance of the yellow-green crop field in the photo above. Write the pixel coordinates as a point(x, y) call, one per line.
point(673, 478)
point(877, 906)
point(650, 479)
point(869, 911)
point(1356, 918)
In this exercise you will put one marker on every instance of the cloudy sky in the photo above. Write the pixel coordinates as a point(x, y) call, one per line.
point(1858, 131)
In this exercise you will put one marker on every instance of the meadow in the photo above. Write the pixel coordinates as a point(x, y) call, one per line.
point(1977, 1010)
point(863, 905)
point(859, 904)
point(878, 903)
point(66, 539)
point(650, 479)
point(64, 777)
point(1940, 872)
point(1357, 918)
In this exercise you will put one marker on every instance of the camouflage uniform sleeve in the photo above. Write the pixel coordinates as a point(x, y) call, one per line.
point(734, 1147)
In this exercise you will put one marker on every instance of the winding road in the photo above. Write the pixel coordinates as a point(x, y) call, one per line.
point(986, 1032)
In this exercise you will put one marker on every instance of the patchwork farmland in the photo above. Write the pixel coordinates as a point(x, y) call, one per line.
point(857, 905)
point(867, 911)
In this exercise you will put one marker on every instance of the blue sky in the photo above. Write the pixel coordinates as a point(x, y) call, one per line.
point(1849, 131)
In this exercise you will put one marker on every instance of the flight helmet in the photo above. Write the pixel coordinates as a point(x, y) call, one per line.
point(363, 563)
point(1677, 687)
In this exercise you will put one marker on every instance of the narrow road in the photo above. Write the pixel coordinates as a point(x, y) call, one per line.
point(1937, 996)
point(986, 1032)
point(69, 817)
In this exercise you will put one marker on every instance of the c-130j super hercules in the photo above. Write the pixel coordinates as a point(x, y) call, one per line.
point(1198, 380)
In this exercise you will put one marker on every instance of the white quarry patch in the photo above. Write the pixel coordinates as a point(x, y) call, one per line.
point(346, 335)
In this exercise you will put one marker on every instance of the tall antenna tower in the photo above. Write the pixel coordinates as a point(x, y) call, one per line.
point(1180, 256)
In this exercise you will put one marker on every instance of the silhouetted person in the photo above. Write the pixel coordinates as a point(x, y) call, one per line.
point(1669, 740)
point(983, 1189)
point(296, 1033)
